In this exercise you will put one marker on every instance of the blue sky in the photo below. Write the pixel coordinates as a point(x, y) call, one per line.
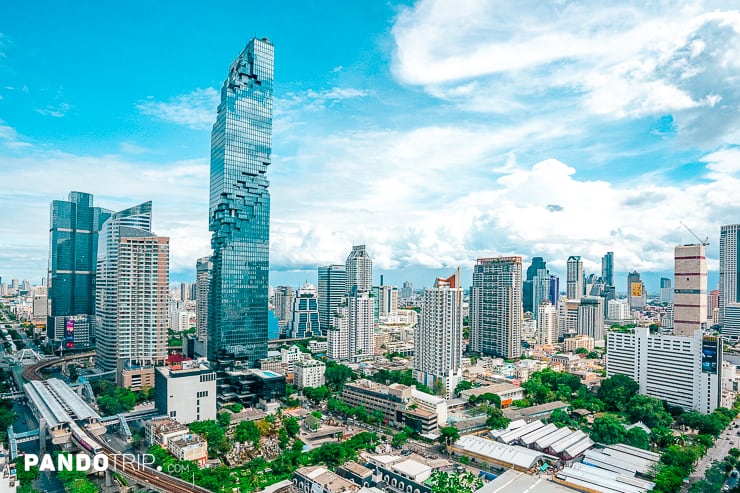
point(434, 131)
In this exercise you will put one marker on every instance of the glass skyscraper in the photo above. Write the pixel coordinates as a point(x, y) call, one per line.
point(73, 234)
point(241, 147)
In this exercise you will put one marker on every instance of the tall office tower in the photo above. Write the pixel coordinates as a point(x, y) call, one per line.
point(359, 270)
point(607, 268)
point(666, 290)
point(14, 282)
point(360, 319)
point(387, 301)
point(540, 290)
point(132, 282)
point(332, 290)
point(538, 264)
point(184, 291)
point(636, 294)
point(729, 268)
point(241, 147)
point(591, 317)
point(554, 293)
point(282, 300)
point(690, 294)
point(438, 339)
point(304, 317)
point(407, 290)
point(713, 307)
point(574, 278)
point(337, 337)
point(547, 323)
point(496, 307)
point(203, 268)
point(73, 253)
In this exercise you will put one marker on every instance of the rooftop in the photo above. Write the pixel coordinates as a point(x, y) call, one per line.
point(512, 481)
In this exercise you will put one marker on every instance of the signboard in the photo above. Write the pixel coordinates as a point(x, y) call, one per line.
point(69, 334)
point(636, 289)
point(709, 358)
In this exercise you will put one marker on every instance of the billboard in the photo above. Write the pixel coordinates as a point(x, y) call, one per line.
point(69, 334)
point(709, 356)
point(636, 289)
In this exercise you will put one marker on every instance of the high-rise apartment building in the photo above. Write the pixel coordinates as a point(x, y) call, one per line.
point(729, 268)
point(387, 301)
point(438, 338)
point(73, 232)
point(547, 323)
point(241, 148)
point(359, 269)
point(496, 307)
point(132, 282)
point(407, 290)
point(591, 317)
point(607, 269)
point(574, 278)
point(360, 326)
point(337, 337)
point(332, 290)
point(690, 292)
point(636, 294)
point(203, 269)
point(684, 371)
point(554, 291)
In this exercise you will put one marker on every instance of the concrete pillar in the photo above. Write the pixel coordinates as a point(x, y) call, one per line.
point(108, 478)
point(42, 436)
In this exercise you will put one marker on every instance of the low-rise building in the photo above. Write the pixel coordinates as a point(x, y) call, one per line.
point(567, 361)
point(577, 342)
point(506, 391)
point(309, 373)
point(187, 393)
point(318, 479)
point(158, 431)
point(532, 413)
point(8, 478)
point(189, 447)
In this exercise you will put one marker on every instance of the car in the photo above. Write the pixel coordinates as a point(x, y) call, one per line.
point(406, 452)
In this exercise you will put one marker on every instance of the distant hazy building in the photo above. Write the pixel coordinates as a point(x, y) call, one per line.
point(496, 307)
point(636, 294)
point(690, 292)
point(73, 239)
point(186, 394)
point(332, 290)
point(607, 268)
point(617, 310)
point(666, 290)
point(203, 268)
point(547, 323)
point(132, 282)
point(574, 278)
point(537, 267)
point(283, 302)
point(407, 291)
point(304, 318)
point(438, 339)
point(359, 269)
point(729, 268)
point(684, 371)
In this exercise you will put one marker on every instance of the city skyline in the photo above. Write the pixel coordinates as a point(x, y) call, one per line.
point(583, 152)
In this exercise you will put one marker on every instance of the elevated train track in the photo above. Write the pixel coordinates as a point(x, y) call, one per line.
point(33, 372)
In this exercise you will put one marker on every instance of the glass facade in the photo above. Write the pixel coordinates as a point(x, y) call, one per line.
point(241, 147)
point(73, 245)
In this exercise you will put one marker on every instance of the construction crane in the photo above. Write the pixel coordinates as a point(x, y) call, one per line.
point(704, 242)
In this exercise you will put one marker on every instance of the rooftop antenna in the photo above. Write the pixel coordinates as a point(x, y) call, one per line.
point(704, 242)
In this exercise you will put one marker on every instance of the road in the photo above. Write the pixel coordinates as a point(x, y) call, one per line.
point(728, 439)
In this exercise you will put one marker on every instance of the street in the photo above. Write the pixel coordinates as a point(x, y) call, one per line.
point(727, 440)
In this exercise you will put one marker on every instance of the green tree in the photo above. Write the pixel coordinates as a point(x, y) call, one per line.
point(214, 434)
point(224, 419)
point(463, 385)
point(448, 435)
point(247, 431)
point(442, 482)
point(399, 439)
point(317, 394)
point(291, 426)
point(649, 410)
point(561, 418)
point(496, 419)
point(581, 350)
point(661, 436)
point(637, 437)
point(607, 430)
point(336, 375)
point(616, 391)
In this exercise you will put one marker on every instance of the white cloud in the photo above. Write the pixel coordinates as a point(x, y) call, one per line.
point(195, 110)
point(621, 60)
point(55, 110)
